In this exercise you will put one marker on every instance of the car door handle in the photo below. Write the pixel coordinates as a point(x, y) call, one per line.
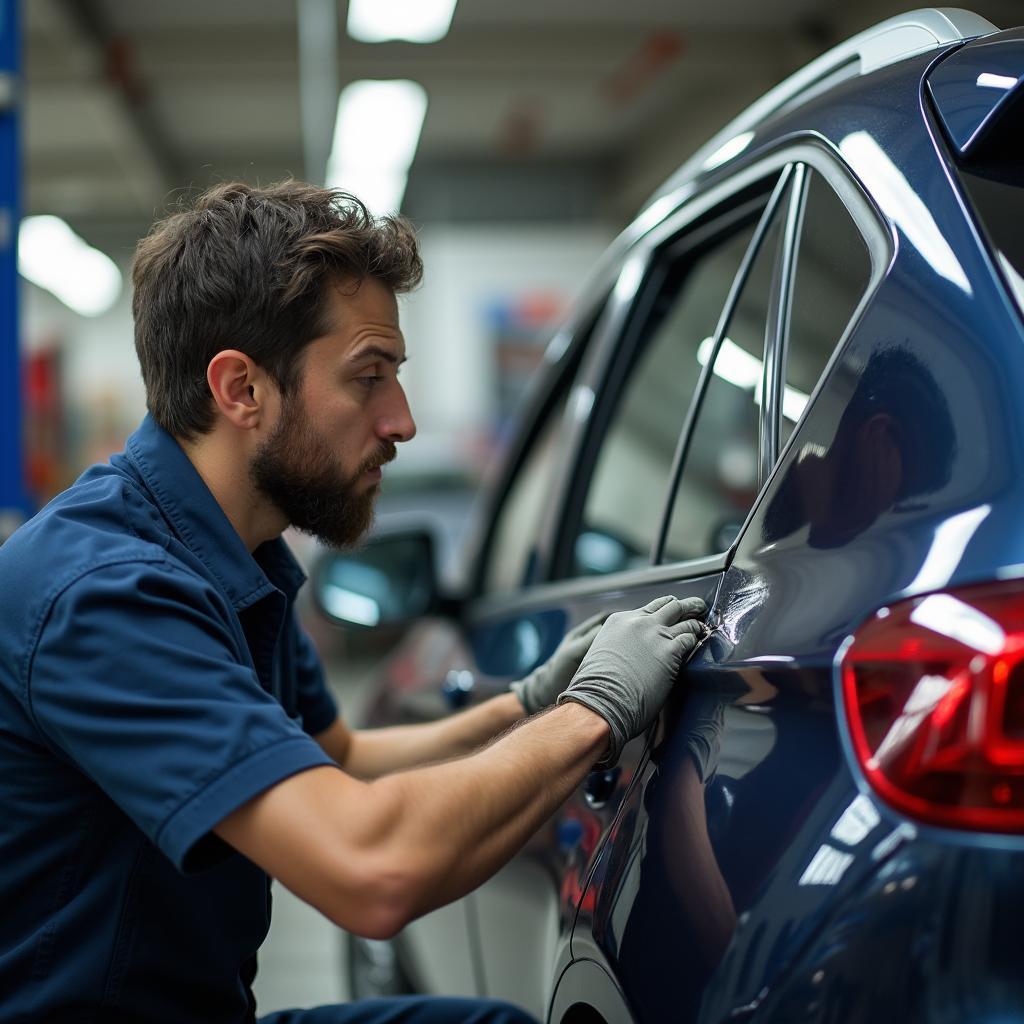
point(600, 786)
point(458, 687)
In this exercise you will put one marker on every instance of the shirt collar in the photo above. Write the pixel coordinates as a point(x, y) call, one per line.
point(201, 525)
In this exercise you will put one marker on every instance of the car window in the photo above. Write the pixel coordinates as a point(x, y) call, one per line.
point(719, 480)
point(625, 499)
point(518, 524)
point(831, 274)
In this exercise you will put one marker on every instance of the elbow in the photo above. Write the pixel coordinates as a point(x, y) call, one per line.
point(381, 904)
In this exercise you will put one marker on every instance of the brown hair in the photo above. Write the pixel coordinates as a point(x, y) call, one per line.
point(245, 268)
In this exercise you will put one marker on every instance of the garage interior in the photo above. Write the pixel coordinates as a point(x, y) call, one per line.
point(546, 128)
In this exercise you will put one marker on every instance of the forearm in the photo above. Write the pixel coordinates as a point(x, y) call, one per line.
point(372, 753)
point(453, 825)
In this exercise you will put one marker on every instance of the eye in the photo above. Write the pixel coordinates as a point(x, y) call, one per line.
point(369, 381)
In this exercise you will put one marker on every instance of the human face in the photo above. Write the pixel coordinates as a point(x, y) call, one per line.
point(321, 464)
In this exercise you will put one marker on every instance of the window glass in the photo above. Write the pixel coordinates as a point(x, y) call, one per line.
point(518, 526)
point(625, 501)
point(832, 272)
point(720, 477)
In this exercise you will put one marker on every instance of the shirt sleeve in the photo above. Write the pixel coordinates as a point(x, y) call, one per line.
point(315, 703)
point(138, 677)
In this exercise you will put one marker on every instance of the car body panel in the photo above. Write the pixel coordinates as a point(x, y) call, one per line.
point(737, 867)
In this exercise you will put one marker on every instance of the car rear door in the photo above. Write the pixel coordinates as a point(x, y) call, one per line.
point(603, 513)
point(749, 754)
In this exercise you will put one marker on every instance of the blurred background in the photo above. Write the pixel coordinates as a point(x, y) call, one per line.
point(520, 137)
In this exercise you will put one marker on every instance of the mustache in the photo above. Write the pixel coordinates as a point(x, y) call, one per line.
point(385, 453)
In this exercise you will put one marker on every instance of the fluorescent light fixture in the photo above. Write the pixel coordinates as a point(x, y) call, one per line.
point(744, 370)
point(53, 257)
point(415, 21)
point(987, 80)
point(375, 137)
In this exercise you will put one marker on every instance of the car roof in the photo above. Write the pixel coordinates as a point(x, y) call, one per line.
point(892, 40)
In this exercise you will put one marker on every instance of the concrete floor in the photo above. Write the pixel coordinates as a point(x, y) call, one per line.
point(302, 962)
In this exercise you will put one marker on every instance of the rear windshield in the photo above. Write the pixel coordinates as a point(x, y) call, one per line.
point(994, 181)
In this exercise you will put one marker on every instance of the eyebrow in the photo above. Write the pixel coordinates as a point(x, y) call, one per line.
point(375, 352)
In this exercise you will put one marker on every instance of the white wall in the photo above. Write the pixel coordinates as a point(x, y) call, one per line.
point(450, 374)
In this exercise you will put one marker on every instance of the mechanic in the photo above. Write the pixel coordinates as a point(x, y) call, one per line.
point(167, 741)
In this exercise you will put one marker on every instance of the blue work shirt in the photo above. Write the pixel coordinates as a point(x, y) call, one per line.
point(152, 680)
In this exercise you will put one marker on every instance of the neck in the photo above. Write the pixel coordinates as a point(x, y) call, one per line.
point(224, 467)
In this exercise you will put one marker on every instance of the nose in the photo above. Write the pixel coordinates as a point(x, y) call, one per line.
point(397, 423)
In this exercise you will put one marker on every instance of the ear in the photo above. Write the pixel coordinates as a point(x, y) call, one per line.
point(240, 388)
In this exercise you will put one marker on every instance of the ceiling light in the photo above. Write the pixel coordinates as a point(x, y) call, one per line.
point(415, 21)
point(53, 257)
point(375, 137)
point(743, 369)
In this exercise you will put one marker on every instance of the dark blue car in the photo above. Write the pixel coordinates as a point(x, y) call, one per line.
point(796, 389)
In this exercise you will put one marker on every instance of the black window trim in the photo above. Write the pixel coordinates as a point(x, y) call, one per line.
point(779, 195)
point(814, 154)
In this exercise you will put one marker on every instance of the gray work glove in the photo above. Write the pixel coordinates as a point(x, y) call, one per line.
point(632, 664)
point(540, 688)
point(702, 724)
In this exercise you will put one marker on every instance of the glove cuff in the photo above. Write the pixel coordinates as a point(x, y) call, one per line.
point(522, 691)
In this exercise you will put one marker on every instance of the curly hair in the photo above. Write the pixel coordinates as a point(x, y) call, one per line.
point(245, 267)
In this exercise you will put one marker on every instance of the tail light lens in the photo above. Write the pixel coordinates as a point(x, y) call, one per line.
point(934, 694)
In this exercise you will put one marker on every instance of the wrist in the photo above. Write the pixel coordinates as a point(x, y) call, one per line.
point(586, 722)
point(510, 707)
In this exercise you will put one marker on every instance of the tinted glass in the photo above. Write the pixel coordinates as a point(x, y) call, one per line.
point(719, 479)
point(995, 184)
point(518, 524)
point(832, 272)
point(626, 496)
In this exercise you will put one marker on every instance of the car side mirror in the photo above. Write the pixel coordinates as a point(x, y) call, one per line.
point(388, 582)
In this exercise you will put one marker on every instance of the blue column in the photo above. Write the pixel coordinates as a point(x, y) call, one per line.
point(13, 500)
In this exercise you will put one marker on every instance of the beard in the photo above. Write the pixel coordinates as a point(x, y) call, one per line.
point(299, 473)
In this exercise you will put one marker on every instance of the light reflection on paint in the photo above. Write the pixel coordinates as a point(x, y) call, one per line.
point(903, 206)
point(947, 549)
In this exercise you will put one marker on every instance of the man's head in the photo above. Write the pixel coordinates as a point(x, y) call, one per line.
point(272, 310)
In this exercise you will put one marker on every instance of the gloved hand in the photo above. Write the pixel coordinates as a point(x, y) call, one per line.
point(631, 666)
point(540, 688)
point(702, 724)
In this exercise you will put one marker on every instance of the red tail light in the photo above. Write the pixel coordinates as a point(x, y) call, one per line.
point(934, 692)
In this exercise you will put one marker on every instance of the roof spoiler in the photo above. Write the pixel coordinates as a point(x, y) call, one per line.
point(975, 88)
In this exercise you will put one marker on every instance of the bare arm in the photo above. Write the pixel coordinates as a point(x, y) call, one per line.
point(370, 753)
point(373, 856)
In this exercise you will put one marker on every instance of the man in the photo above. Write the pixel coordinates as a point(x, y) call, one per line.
point(167, 744)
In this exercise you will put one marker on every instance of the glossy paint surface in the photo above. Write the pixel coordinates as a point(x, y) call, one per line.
point(767, 892)
point(737, 867)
